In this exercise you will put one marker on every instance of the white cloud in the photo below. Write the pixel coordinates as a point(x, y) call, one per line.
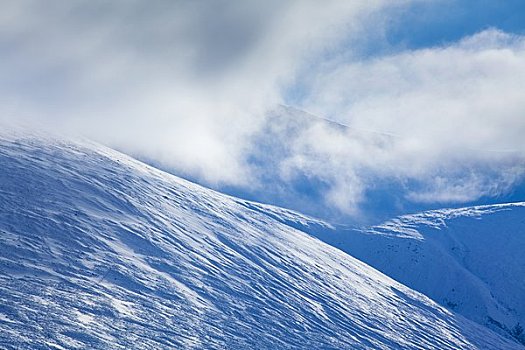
point(189, 85)
point(185, 83)
point(456, 114)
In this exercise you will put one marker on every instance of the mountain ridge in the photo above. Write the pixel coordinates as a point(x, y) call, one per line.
point(469, 260)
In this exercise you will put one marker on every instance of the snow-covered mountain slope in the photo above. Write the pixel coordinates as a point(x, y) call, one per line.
point(99, 251)
point(471, 260)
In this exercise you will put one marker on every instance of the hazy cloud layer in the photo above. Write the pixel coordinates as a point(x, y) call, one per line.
point(456, 115)
point(184, 82)
point(189, 84)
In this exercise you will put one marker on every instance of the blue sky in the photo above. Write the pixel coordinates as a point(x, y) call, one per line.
point(438, 22)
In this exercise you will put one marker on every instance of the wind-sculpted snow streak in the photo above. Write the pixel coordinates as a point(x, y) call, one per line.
point(99, 251)
point(408, 225)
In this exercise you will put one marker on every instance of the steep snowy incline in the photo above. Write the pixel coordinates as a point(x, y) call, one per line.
point(471, 260)
point(99, 251)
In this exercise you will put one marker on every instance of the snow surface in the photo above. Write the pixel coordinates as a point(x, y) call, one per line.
point(471, 260)
point(100, 251)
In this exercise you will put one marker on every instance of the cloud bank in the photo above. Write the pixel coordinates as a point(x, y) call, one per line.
point(455, 115)
point(193, 86)
point(183, 82)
